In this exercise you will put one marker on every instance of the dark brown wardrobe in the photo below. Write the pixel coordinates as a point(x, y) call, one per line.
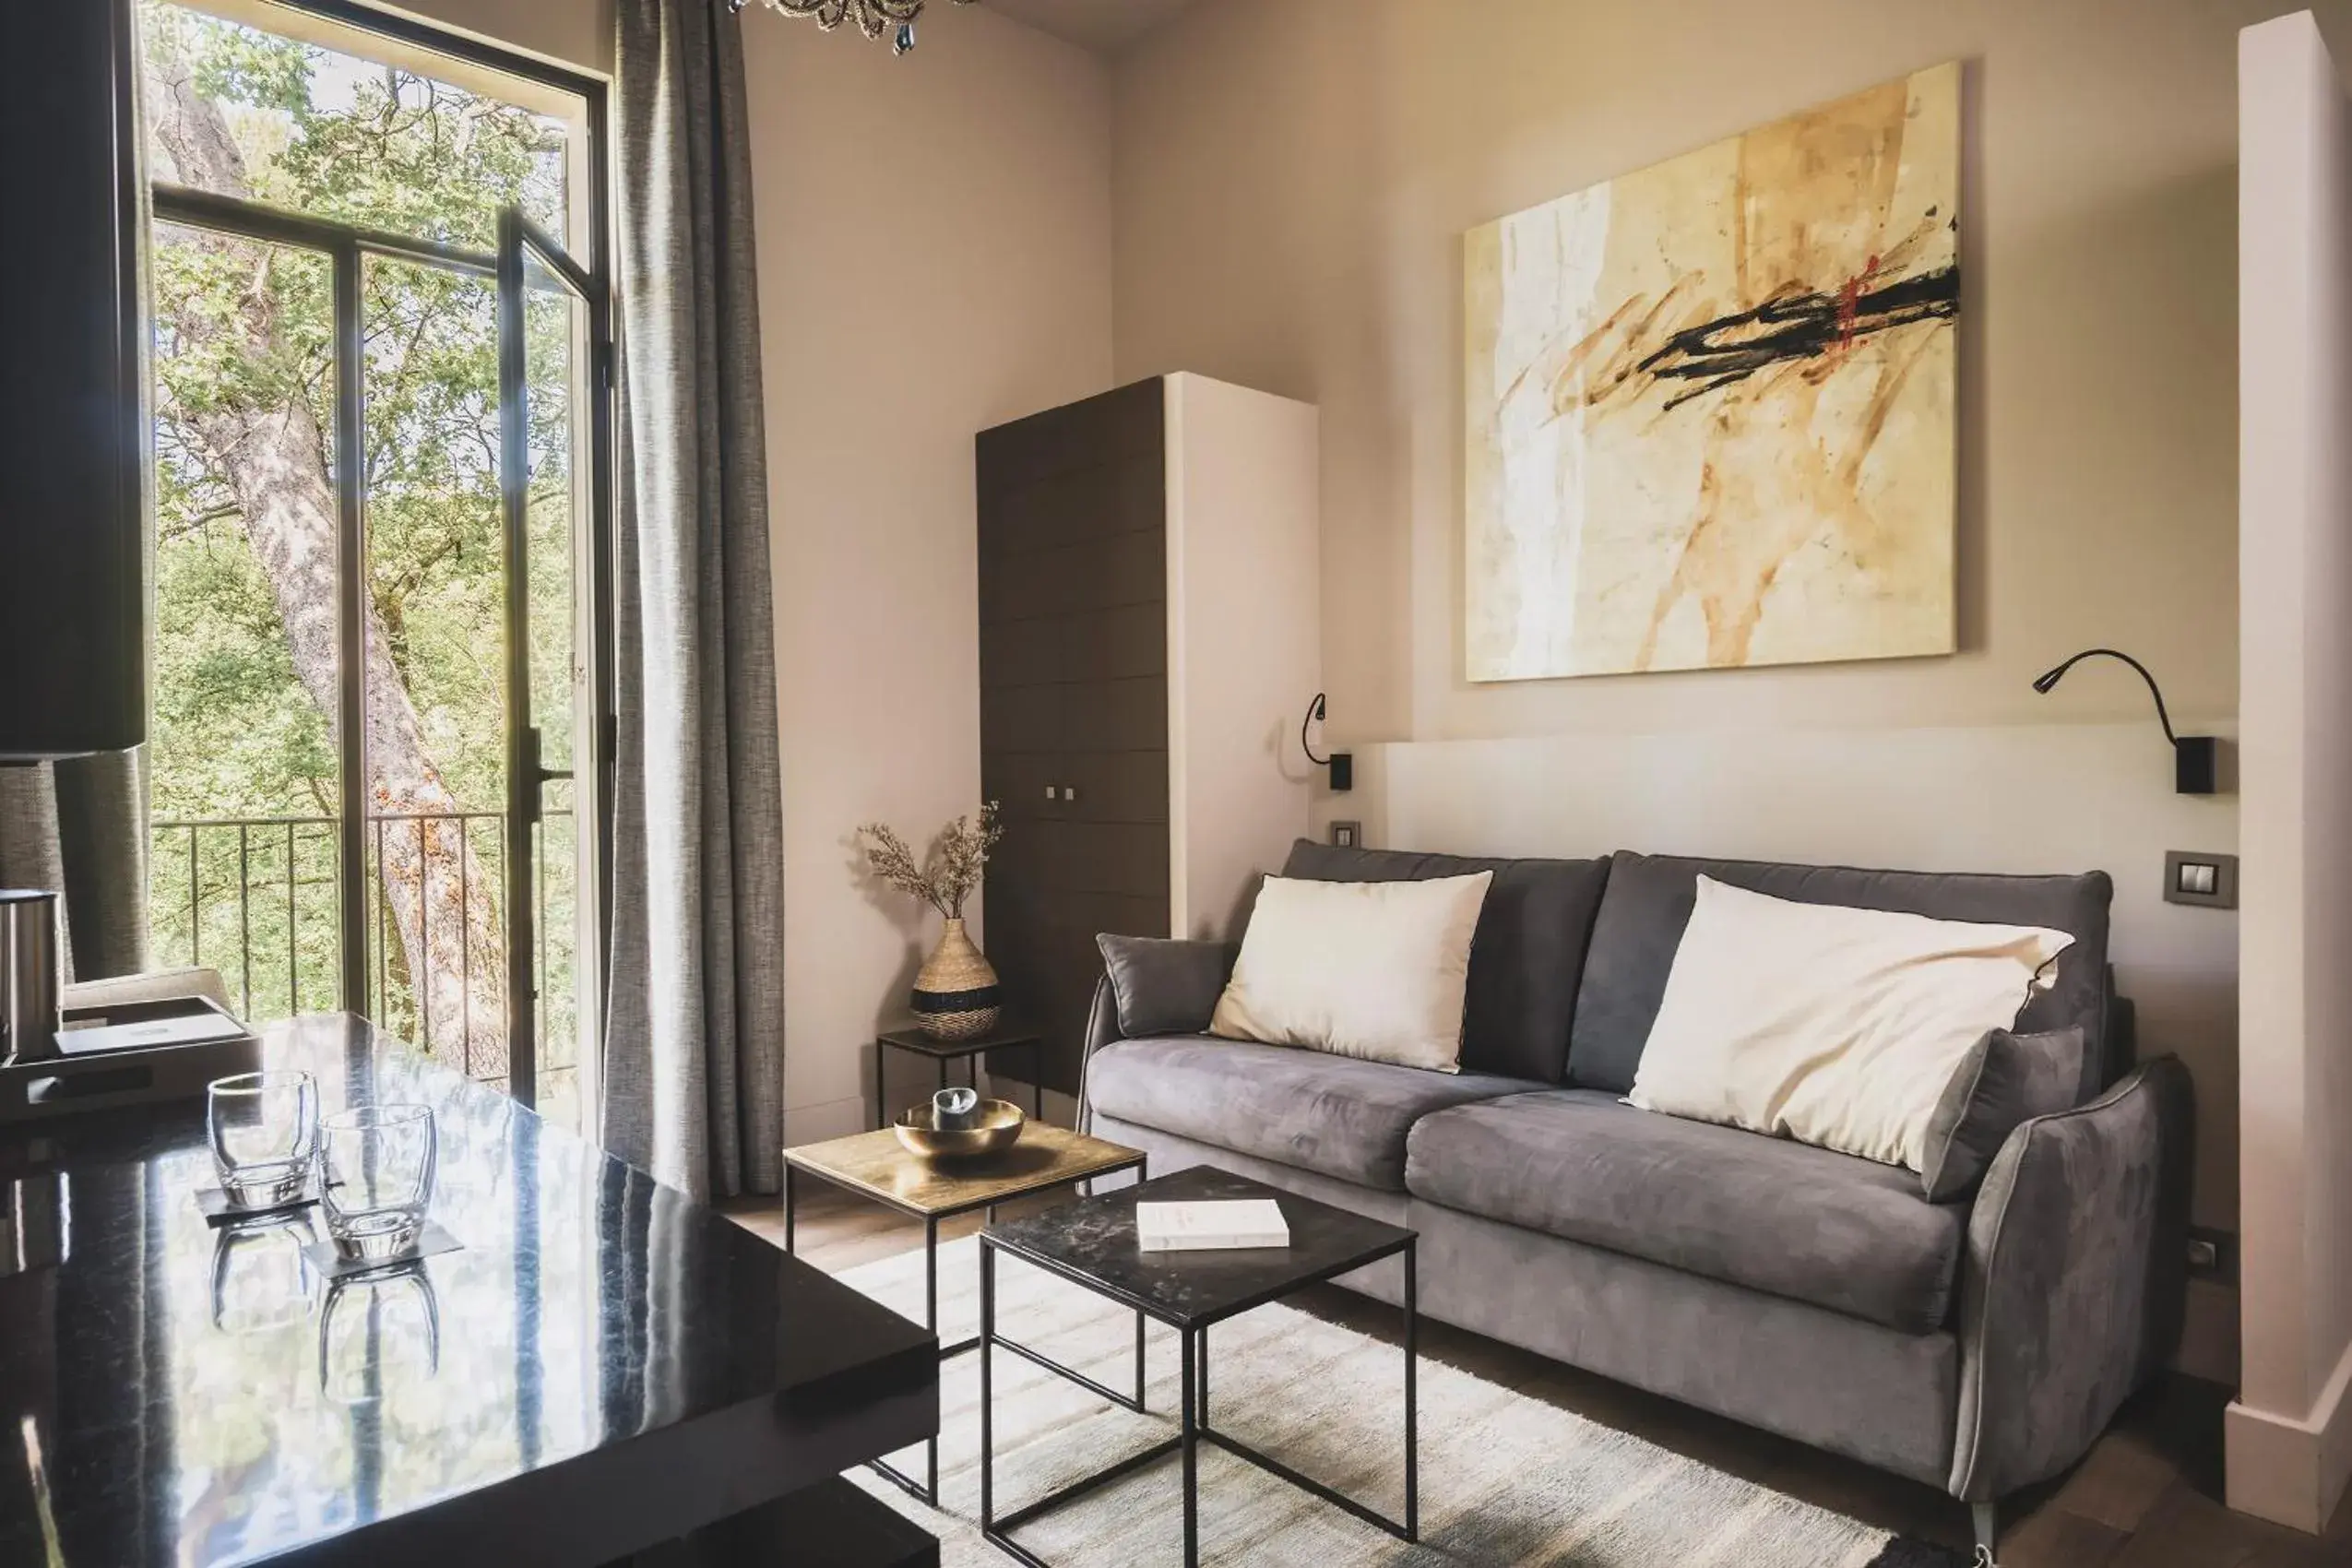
point(1146, 618)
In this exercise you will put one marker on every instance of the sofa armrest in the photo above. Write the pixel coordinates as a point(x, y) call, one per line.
point(2072, 1286)
point(1102, 1027)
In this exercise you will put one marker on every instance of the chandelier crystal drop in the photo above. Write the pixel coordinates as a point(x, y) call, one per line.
point(873, 18)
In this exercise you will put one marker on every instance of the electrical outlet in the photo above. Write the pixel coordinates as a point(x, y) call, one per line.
point(1348, 834)
point(2213, 1255)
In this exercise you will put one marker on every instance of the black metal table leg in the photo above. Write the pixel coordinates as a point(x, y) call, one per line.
point(931, 1321)
point(987, 1344)
point(788, 1206)
point(1204, 1417)
point(927, 1492)
point(1139, 1361)
point(1037, 1078)
point(1190, 1449)
point(881, 1106)
point(1412, 1420)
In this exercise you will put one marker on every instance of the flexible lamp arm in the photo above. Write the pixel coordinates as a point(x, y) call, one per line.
point(1314, 712)
point(2049, 678)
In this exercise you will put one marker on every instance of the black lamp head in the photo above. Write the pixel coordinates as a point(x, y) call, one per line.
point(2193, 756)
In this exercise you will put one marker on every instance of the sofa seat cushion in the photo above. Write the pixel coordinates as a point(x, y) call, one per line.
point(1769, 1214)
point(1336, 1115)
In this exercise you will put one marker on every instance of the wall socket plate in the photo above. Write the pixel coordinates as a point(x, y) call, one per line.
point(2207, 881)
point(2213, 1255)
point(1348, 834)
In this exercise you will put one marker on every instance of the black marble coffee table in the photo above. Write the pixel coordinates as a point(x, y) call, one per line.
point(1092, 1242)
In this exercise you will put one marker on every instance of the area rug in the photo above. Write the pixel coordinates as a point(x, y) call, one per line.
point(1504, 1479)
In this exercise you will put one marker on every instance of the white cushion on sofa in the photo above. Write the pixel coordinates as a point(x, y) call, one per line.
point(1375, 969)
point(1833, 1026)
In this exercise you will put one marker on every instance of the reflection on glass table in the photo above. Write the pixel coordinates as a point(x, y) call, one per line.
point(378, 1331)
point(260, 1279)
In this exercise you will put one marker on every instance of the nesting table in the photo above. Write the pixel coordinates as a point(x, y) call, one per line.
point(1091, 1242)
point(877, 1166)
point(972, 1052)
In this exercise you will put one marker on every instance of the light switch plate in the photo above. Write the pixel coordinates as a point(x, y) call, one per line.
point(1348, 834)
point(2208, 881)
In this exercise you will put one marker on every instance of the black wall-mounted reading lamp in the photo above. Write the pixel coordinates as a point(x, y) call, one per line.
point(1342, 764)
point(2193, 756)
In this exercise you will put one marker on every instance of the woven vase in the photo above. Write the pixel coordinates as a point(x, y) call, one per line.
point(955, 992)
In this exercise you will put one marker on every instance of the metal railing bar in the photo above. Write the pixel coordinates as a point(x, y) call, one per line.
point(244, 910)
point(465, 951)
point(288, 834)
point(293, 919)
point(195, 921)
point(424, 942)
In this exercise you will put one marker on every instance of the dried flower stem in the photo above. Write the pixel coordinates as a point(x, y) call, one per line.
point(944, 878)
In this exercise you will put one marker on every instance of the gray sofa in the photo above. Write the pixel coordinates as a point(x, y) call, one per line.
point(1980, 1346)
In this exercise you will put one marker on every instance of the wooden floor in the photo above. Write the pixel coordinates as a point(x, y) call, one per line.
point(2148, 1496)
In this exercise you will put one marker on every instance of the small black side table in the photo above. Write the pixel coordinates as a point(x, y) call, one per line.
point(914, 1042)
point(1091, 1242)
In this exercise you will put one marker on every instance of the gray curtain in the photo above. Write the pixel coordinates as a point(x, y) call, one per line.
point(694, 1046)
point(79, 827)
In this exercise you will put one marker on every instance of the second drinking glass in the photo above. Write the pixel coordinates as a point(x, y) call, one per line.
point(375, 1178)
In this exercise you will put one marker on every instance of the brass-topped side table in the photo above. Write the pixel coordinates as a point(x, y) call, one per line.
point(971, 1052)
point(877, 1166)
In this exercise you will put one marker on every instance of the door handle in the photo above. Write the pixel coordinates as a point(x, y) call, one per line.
point(529, 775)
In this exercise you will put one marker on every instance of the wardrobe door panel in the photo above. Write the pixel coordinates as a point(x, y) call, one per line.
point(1073, 702)
point(1115, 716)
point(1119, 786)
point(1127, 641)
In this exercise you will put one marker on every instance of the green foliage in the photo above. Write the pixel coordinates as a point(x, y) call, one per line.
point(236, 733)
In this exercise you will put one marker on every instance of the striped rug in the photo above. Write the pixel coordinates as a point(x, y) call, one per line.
point(1504, 1479)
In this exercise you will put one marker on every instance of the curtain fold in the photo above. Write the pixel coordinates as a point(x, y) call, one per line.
point(79, 827)
point(692, 1068)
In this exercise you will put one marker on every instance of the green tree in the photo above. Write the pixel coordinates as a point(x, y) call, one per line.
point(246, 612)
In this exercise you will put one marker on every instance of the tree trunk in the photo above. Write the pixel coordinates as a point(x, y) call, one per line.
point(441, 891)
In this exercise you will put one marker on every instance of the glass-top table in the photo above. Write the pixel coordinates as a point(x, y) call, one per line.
point(604, 1365)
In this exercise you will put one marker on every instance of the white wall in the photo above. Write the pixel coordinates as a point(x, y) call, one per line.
point(934, 253)
point(2289, 1436)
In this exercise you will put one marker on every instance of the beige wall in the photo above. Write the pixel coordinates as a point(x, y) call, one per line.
point(935, 258)
point(2291, 1434)
point(1292, 182)
point(1293, 179)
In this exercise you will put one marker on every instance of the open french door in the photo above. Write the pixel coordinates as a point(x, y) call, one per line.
point(555, 437)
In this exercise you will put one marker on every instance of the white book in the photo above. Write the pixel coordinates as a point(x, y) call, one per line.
point(1202, 1227)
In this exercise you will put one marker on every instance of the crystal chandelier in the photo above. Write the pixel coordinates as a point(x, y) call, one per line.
point(873, 16)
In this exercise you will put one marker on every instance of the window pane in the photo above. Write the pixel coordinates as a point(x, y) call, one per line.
point(436, 677)
point(243, 112)
point(242, 759)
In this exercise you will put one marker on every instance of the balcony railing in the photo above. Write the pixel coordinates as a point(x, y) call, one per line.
point(258, 898)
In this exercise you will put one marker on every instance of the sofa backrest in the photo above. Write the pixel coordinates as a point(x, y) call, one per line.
point(1649, 899)
point(1527, 958)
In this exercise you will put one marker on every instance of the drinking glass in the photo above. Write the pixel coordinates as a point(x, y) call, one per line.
point(265, 1134)
point(375, 1169)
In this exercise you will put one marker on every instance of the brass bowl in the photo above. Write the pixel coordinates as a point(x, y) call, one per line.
point(996, 1126)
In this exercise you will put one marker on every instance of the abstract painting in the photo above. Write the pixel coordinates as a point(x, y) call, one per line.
point(1710, 405)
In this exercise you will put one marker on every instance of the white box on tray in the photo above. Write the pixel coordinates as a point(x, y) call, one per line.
point(1211, 1226)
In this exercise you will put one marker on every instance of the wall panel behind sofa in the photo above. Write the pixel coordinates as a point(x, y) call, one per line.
point(2012, 798)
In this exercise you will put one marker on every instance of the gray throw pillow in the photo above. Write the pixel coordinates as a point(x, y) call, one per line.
point(1164, 987)
point(2004, 1080)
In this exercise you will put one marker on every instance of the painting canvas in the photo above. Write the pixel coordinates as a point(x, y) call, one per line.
point(1710, 405)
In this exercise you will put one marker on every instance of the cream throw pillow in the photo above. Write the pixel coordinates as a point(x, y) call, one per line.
point(1376, 970)
point(1831, 1026)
